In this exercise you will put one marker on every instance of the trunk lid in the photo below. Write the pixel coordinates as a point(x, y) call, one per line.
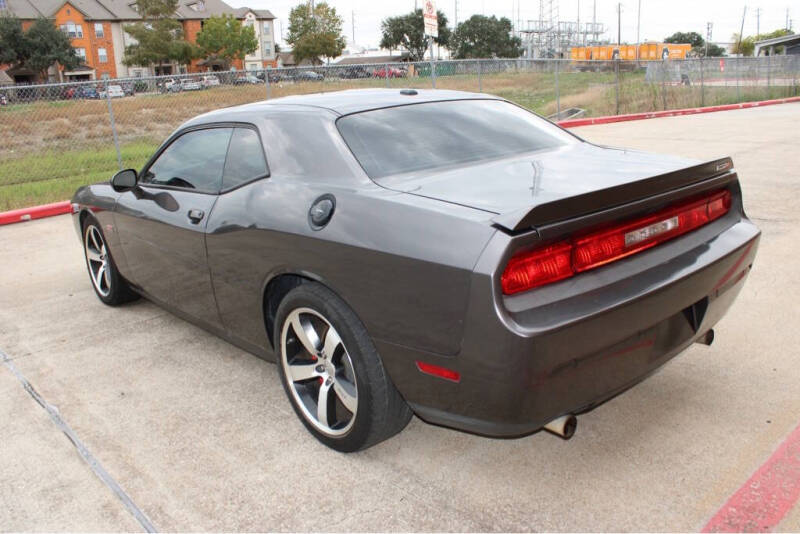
point(545, 187)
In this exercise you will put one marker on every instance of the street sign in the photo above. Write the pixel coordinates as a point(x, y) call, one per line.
point(431, 22)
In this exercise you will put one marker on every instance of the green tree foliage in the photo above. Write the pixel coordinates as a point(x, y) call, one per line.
point(744, 47)
point(748, 44)
point(483, 37)
point(407, 31)
point(226, 39)
point(697, 42)
point(159, 37)
point(315, 35)
point(692, 38)
point(38, 48)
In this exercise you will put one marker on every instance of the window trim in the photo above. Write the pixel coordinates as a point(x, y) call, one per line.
point(253, 127)
point(197, 127)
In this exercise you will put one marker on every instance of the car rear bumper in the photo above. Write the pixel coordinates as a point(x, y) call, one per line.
point(525, 362)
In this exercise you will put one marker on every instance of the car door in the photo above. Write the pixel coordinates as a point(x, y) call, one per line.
point(162, 221)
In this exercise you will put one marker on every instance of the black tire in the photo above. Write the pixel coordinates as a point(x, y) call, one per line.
point(113, 289)
point(381, 411)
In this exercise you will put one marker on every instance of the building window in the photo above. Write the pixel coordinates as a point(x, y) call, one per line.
point(81, 53)
point(249, 22)
point(102, 55)
point(98, 30)
point(72, 30)
point(200, 5)
point(266, 27)
point(3, 4)
point(267, 47)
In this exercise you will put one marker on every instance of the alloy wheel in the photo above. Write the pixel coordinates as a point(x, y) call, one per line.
point(97, 260)
point(319, 372)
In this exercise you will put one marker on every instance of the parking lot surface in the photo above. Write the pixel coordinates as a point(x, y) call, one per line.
point(199, 435)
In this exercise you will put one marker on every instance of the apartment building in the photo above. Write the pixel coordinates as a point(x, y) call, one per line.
point(96, 31)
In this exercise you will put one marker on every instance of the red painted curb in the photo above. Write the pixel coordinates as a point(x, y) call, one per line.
point(36, 212)
point(763, 501)
point(59, 208)
point(572, 123)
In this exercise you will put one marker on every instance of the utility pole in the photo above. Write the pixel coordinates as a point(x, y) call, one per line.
point(758, 22)
point(787, 18)
point(594, 22)
point(709, 27)
point(455, 17)
point(739, 44)
point(619, 23)
point(638, 26)
point(353, 24)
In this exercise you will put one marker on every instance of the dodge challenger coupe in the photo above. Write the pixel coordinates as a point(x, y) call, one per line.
point(441, 253)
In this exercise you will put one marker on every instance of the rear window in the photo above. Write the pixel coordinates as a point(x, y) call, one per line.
point(433, 135)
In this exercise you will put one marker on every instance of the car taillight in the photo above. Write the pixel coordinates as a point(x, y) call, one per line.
point(566, 258)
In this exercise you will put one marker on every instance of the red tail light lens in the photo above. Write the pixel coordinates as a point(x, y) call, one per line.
point(562, 260)
point(536, 268)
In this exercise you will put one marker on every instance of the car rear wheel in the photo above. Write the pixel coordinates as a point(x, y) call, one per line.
point(108, 285)
point(332, 372)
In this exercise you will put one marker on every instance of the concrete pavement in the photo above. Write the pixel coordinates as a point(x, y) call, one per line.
point(200, 435)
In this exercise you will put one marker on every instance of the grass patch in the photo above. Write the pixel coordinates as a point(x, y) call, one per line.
point(68, 170)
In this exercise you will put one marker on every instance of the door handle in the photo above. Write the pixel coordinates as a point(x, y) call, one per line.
point(196, 215)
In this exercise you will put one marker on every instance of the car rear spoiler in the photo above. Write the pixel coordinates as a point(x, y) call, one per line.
point(602, 199)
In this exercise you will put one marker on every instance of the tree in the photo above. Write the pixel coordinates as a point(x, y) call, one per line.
point(317, 34)
point(226, 39)
point(36, 49)
point(407, 31)
point(713, 51)
point(483, 37)
point(697, 42)
point(692, 38)
point(744, 47)
point(748, 44)
point(159, 37)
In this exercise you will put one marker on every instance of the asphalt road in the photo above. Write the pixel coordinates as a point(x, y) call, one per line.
point(199, 436)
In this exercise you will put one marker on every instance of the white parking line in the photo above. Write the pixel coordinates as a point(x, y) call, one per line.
point(87, 456)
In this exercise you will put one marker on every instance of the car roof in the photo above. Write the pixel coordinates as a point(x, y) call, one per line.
point(343, 102)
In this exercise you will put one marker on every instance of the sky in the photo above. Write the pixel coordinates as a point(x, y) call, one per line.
point(659, 18)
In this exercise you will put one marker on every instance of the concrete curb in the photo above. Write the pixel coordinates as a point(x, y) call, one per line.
point(573, 123)
point(35, 212)
point(60, 208)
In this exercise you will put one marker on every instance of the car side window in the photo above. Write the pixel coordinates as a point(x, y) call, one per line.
point(245, 161)
point(193, 161)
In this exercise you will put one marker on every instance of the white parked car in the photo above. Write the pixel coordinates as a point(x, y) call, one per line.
point(210, 81)
point(191, 84)
point(114, 91)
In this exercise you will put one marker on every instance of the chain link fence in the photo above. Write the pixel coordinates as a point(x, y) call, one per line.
point(57, 137)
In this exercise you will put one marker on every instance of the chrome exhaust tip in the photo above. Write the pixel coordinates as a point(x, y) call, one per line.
point(563, 426)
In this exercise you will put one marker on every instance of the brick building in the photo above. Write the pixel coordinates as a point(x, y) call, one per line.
point(96, 30)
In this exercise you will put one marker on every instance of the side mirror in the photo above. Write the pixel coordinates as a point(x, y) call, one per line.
point(124, 180)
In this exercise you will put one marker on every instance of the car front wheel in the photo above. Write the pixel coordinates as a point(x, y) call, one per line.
point(332, 372)
point(109, 286)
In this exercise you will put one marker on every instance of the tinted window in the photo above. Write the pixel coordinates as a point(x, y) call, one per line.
point(193, 161)
point(438, 134)
point(245, 161)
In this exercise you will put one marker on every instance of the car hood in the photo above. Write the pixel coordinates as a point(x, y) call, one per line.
point(518, 184)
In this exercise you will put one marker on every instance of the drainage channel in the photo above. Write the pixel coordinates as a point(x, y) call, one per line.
point(87, 456)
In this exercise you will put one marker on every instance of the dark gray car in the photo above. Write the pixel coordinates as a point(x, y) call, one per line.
point(440, 253)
